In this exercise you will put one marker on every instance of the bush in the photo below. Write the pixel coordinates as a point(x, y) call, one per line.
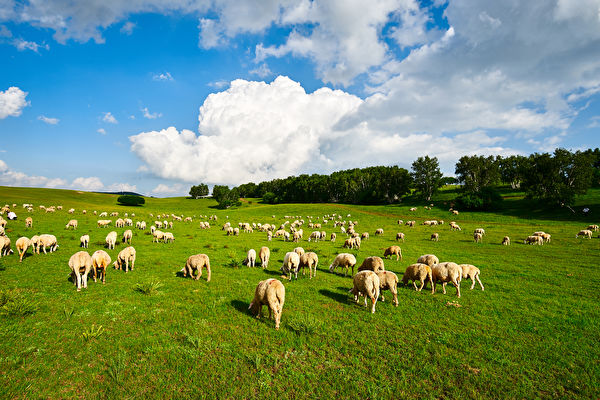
point(130, 200)
point(270, 198)
point(486, 199)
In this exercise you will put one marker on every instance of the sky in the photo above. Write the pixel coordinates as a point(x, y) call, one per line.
point(155, 96)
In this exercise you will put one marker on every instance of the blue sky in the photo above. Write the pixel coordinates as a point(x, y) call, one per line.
point(155, 96)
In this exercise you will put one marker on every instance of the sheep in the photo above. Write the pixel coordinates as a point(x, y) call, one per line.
point(400, 222)
point(316, 235)
point(413, 209)
point(309, 260)
point(291, 262)
point(454, 226)
point(157, 236)
point(418, 272)
point(264, 254)
point(393, 250)
point(399, 236)
point(125, 256)
point(5, 246)
point(411, 224)
point(435, 237)
point(22, 244)
point(534, 240)
point(367, 284)
point(343, 260)
point(250, 258)
point(271, 293)
point(546, 237)
point(477, 237)
point(447, 272)
point(585, 233)
point(168, 237)
point(84, 241)
point(378, 232)
point(71, 210)
point(80, 264)
point(480, 230)
point(593, 228)
point(333, 237)
point(119, 223)
point(455, 212)
point(352, 243)
point(428, 259)
point(127, 235)
point(104, 223)
point(372, 263)
point(111, 239)
point(71, 224)
point(196, 263)
point(364, 236)
point(471, 272)
point(47, 240)
point(388, 281)
point(28, 222)
point(236, 232)
point(100, 260)
point(506, 241)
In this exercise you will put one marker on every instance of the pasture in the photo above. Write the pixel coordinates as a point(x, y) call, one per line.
point(152, 333)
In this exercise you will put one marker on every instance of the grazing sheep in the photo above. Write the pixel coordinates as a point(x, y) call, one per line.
point(367, 284)
point(111, 239)
point(71, 210)
point(388, 281)
point(125, 256)
point(585, 233)
point(250, 258)
point(157, 236)
point(168, 237)
point(100, 260)
point(316, 235)
point(104, 223)
point(80, 264)
point(400, 222)
point(454, 226)
point(264, 254)
point(411, 224)
point(372, 263)
point(393, 250)
point(84, 241)
point(413, 209)
point(593, 228)
point(364, 236)
point(399, 236)
point(291, 262)
point(471, 272)
point(477, 237)
point(127, 235)
point(5, 246)
point(428, 259)
point(455, 212)
point(236, 232)
point(352, 243)
point(534, 240)
point(447, 272)
point(28, 222)
point(309, 260)
point(546, 237)
point(35, 239)
point(71, 224)
point(22, 244)
point(49, 241)
point(333, 237)
point(343, 260)
point(119, 223)
point(196, 263)
point(299, 250)
point(506, 241)
point(418, 272)
point(480, 230)
point(378, 232)
point(435, 237)
point(271, 293)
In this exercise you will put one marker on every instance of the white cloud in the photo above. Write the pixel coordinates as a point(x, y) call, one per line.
point(121, 187)
point(91, 183)
point(218, 84)
point(49, 121)
point(108, 117)
point(149, 115)
point(262, 71)
point(176, 189)
point(5, 32)
point(23, 45)
point(166, 76)
point(101, 131)
point(127, 28)
point(12, 102)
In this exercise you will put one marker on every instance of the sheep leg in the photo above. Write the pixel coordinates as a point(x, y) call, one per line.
point(422, 285)
point(478, 280)
point(444, 286)
point(94, 268)
point(84, 280)
point(44, 248)
point(373, 302)
point(457, 288)
point(78, 280)
point(198, 275)
point(132, 263)
point(395, 293)
point(365, 296)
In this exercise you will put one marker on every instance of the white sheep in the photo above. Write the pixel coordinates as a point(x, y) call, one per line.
point(264, 254)
point(418, 272)
point(100, 261)
point(28, 222)
point(393, 250)
point(534, 240)
point(506, 241)
point(291, 262)
point(196, 263)
point(447, 272)
point(271, 293)
point(80, 264)
point(47, 240)
point(435, 237)
point(157, 236)
point(299, 250)
point(333, 237)
point(378, 232)
point(372, 263)
point(111, 239)
point(127, 235)
point(400, 236)
point(388, 281)
point(22, 244)
point(480, 230)
point(71, 224)
point(428, 259)
point(250, 258)
point(593, 228)
point(364, 236)
point(477, 237)
point(84, 241)
point(168, 237)
point(367, 284)
point(471, 272)
point(309, 260)
point(126, 256)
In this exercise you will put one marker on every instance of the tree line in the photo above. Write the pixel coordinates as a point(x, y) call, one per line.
point(555, 178)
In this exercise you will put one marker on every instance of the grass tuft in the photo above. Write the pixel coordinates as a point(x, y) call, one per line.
point(148, 288)
point(305, 323)
point(13, 304)
point(92, 333)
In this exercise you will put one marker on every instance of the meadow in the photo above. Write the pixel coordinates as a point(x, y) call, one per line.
point(154, 334)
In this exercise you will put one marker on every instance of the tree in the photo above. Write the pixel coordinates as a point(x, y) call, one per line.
point(226, 197)
point(199, 191)
point(477, 172)
point(511, 170)
point(131, 200)
point(427, 176)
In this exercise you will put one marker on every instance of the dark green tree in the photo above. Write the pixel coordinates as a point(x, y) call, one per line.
point(226, 197)
point(199, 191)
point(512, 169)
point(427, 176)
point(477, 172)
point(131, 200)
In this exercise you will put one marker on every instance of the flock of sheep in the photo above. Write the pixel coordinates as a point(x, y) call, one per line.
point(369, 281)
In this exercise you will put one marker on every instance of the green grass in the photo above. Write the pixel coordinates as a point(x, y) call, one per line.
point(151, 333)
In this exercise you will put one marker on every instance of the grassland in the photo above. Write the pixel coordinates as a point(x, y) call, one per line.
point(532, 333)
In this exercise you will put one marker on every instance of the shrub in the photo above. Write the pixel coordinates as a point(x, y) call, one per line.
point(486, 199)
point(130, 200)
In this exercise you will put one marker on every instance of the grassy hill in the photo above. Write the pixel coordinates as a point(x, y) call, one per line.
point(531, 334)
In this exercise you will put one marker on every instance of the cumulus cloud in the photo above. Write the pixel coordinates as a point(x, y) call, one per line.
point(172, 190)
point(49, 121)
point(127, 28)
point(101, 131)
point(147, 114)
point(218, 84)
point(163, 76)
point(108, 117)
point(90, 183)
point(12, 102)
point(23, 45)
point(262, 71)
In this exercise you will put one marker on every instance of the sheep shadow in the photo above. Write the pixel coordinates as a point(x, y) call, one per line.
point(273, 273)
point(241, 306)
point(339, 297)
